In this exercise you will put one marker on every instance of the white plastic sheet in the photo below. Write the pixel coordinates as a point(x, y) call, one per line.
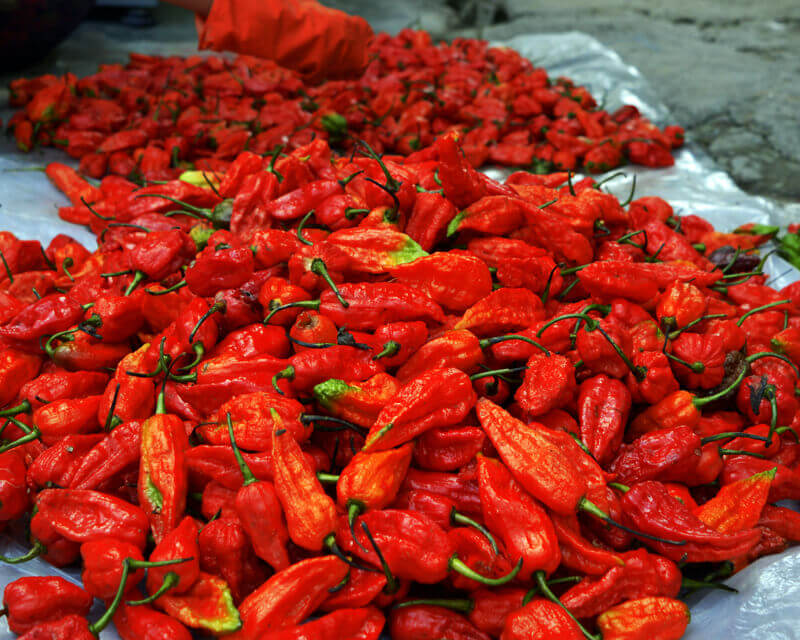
point(767, 606)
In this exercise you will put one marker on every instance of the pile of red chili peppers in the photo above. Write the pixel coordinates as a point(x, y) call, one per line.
point(315, 395)
point(156, 116)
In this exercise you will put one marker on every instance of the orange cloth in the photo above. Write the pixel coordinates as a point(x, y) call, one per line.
point(299, 34)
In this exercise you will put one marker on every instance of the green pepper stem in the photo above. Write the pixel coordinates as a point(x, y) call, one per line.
point(391, 182)
point(694, 367)
point(674, 334)
point(93, 212)
point(389, 349)
point(170, 580)
point(320, 268)
point(591, 323)
point(35, 551)
point(494, 372)
point(308, 418)
point(630, 195)
point(626, 239)
point(218, 307)
point(761, 308)
point(31, 434)
point(462, 605)
point(694, 585)
point(312, 345)
point(732, 434)
point(174, 287)
point(300, 227)
point(300, 304)
point(127, 565)
point(544, 588)
point(22, 407)
point(247, 474)
point(285, 374)
point(457, 518)
point(535, 590)
point(392, 584)
point(619, 486)
point(459, 566)
point(137, 278)
point(327, 478)
point(487, 342)
point(701, 402)
point(190, 207)
point(741, 452)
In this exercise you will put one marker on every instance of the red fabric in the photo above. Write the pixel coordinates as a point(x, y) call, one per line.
point(298, 34)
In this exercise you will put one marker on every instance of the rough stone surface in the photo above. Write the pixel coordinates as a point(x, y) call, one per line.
point(729, 72)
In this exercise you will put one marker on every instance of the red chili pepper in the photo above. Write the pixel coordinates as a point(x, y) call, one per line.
point(310, 513)
point(103, 564)
point(518, 520)
point(649, 507)
point(163, 474)
point(425, 622)
point(540, 619)
point(260, 513)
point(32, 600)
point(437, 398)
point(289, 597)
point(644, 618)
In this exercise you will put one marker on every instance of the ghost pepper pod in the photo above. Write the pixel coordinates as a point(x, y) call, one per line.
point(375, 250)
point(549, 383)
point(645, 618)
point(357, 402)
point(642, 574)
point(102, 566)
point(454, 279)
point(14, 498)
point(83, 515)
point(650, 508)
point(208, 605)
point(372, 480)
point(178, 544)
point(459, 349)
point(541, 619)
point(427, 622)
point(437, 398)
point(310, 513)
point(543, 469)
point(135, 623)
point(517, 519)
point(603, 407)
point(289, 596)
point(738, 505)
point(32, 600)
point(503, 311)
point(259, 510)
point(163, 473)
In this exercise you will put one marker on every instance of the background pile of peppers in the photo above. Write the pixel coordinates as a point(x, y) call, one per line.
point(152, 118)
point(318, 396)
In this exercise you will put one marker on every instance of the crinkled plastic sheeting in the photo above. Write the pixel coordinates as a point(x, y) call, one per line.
point(767, 606)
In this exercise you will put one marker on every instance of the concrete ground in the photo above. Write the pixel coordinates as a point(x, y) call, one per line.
point(729, 71)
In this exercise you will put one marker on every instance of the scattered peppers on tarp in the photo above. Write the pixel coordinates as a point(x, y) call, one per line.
point(293, 389)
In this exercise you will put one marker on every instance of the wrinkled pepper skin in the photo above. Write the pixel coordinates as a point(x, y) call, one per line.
point(437, 398)
point(163, 473)
point(540, 619)
point(32, 600)
point(645, 618)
